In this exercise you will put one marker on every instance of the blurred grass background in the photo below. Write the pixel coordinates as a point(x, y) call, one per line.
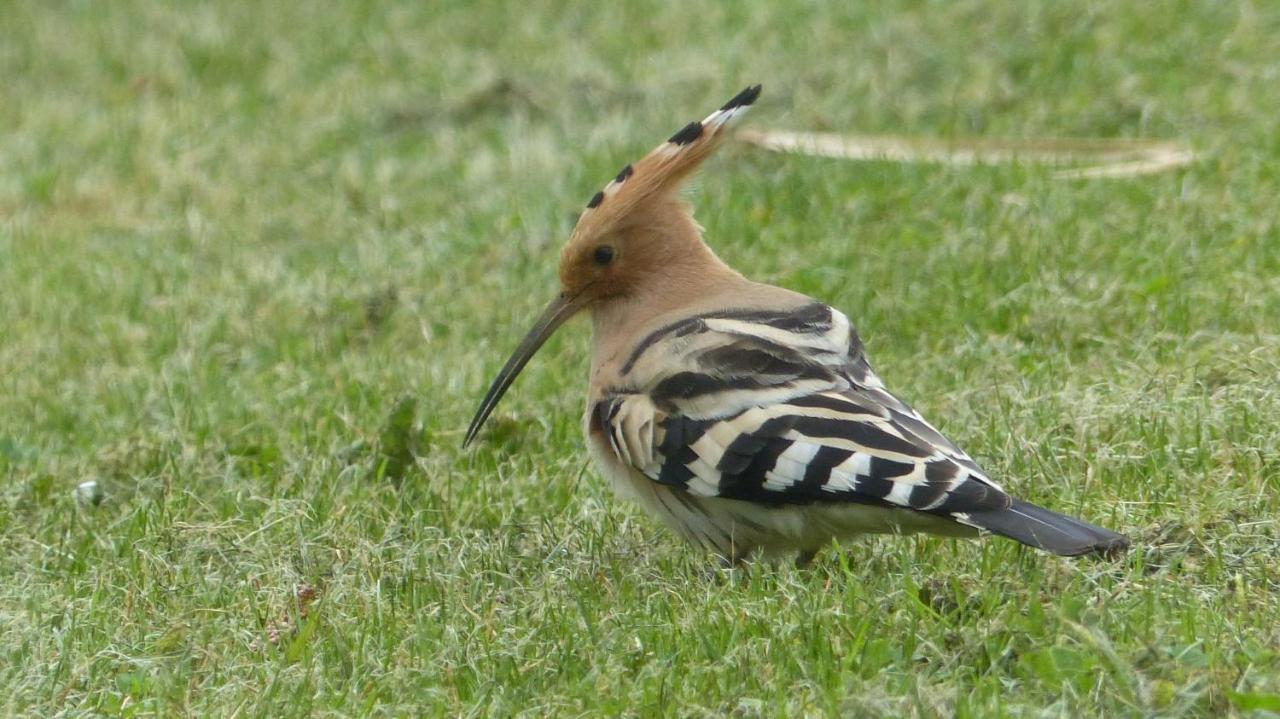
point(258, 262)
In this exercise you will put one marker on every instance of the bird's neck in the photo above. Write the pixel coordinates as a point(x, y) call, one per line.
point(687, 280)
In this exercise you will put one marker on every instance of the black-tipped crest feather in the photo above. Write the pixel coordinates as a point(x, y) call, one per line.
point(661, 170)
point(687, 134)
point(745, 98)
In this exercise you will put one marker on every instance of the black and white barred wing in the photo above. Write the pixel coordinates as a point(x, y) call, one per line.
point(782, 408)
point(820, 447)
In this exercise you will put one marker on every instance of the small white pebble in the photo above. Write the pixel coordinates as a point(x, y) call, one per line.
point(89, 494)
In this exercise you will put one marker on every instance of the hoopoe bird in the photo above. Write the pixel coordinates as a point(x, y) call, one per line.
point(746, 416)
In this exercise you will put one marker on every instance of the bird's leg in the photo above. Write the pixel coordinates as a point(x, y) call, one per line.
point(805, 558)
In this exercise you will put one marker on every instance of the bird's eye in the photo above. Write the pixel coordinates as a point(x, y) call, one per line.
point(604, 255)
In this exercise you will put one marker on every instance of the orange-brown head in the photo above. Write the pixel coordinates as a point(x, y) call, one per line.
point(633, 233)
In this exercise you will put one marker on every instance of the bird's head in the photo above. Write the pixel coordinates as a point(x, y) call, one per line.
point(633, 230)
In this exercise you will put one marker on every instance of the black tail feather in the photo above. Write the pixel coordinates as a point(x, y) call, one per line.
point(1045, 529)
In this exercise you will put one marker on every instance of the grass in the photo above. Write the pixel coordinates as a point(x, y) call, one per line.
point(257, 264)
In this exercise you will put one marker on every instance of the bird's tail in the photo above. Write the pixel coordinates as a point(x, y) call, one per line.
point(1045, 529)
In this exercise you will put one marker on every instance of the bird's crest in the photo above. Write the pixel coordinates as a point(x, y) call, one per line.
point(659, 173)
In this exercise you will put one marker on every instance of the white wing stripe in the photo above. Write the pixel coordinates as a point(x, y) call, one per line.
point(790, 466)
point(844, 476)
point(808, 340)
point(856, 447)
point(900, 494)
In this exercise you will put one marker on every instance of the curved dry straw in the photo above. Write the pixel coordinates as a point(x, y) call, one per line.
point(1101, 157)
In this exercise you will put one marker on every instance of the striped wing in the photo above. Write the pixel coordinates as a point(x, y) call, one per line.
point(782, 408)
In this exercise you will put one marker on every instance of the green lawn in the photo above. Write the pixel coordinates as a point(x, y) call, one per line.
point(258, 265)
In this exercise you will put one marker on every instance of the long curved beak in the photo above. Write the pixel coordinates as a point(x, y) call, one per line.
point(561, 309)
